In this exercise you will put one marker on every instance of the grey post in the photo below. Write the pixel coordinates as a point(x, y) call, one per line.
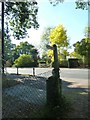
point(54, 82)
point(56, 65)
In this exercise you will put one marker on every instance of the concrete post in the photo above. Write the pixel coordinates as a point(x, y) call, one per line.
point(54, 82)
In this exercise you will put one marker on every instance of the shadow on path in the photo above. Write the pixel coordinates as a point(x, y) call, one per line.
point(27, 98)
point(78, 97)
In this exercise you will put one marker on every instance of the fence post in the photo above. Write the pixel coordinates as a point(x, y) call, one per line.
point(17, 69)
point(33, 71)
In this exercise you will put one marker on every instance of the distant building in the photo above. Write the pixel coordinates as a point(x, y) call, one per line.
point(73, 62)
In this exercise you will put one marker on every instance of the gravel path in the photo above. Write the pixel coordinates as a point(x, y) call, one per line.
point(30, 94)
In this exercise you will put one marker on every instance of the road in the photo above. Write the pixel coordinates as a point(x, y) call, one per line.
point(78, 76)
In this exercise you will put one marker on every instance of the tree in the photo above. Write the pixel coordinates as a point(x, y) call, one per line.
point(21, 16)
point(59, 37)
point(75, 55)
point(87, 32)
point(45, 38)
point(8, 45)
point(83, 47)
point(82, 4)
point(26, 48)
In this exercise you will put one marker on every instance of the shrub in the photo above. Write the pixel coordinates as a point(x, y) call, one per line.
point(24, 61)
point(62, 63)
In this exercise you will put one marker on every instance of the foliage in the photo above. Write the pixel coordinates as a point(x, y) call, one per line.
point(50, 54)
point(65, 53)
point(59, 37)
point(24, 61)
point(80, 4)
point(46, 58)
point(45, 38)
point(55, 2)
point(63, 63)
point(8, 45)
point(25, 48)
point(87, 32)
point(21, 16)
point(82, 47)
point(75, 55)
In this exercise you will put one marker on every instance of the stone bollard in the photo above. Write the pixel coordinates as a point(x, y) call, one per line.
point(53, 91)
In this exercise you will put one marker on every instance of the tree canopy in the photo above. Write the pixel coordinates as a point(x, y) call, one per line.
point(25, 48)
point(82, 47)
point(45, 40)
point(59, 37)
point(21, 16)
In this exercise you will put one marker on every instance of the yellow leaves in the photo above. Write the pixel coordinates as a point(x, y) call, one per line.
point(87, 31)
point(58, 36)
point(87, 40)
point(50, 54)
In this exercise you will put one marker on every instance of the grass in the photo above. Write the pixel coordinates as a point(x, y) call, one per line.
point(59, 111)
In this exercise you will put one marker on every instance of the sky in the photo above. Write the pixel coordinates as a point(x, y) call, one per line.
point(74, 21)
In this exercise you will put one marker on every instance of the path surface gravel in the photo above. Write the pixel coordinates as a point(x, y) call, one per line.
point(31, 92)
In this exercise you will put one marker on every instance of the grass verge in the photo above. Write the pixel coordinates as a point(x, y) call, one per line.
point(57, 112)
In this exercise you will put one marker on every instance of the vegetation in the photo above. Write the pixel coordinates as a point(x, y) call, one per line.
point(25, 48)
point(82, 48)
point(80, 4)
point(59, 111)
point(8, 46)
point(59, 37)
point(20, 17)
point(24, 61)
point(18, 50)
point(45, 39)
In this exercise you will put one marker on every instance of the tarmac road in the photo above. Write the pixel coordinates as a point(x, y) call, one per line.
point(78, 76)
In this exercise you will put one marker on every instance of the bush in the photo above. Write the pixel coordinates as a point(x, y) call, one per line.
point(24, 61)
point(62, 63)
